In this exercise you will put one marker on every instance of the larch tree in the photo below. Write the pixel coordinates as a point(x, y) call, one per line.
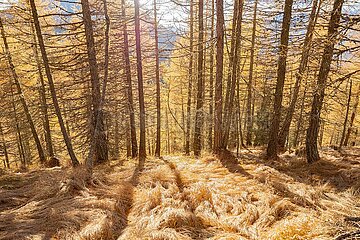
point(312, 152)
point(272, 147)
point(284, 131)
point(21, 95)
point(142, 144)
point(199, 114)
point(157, 76)
point(130, 101)
point(219, 75)
point(45, 59)
point(98, 152)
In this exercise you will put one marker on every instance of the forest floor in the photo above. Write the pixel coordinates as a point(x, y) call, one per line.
point(180, 197)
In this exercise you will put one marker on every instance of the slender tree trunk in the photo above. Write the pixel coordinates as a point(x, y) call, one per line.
point(235, 67)
point(312, 152)
point(158, 109)
point(142, 148)
point(275, 123)
point(199, 115)
point(190, 76)
point(211, 77)
point(67, 140)
point(300, 73)
point(219, 75)
point(250, 82)
point(6, 155)
point(134, 146)
point(346, 115)
point(42, 93)
point(352, 118)
point(21, 96)
point(19, 140)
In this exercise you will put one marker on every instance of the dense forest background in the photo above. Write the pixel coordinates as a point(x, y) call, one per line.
point(198, 76)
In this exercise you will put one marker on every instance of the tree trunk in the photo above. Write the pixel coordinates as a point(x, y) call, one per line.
point(134, 146)
point(6, 156)
point(250, 82)
point(211, 78)
point(142, 148)
point(42, 92)
point(158, 109)
point(67, 140)
point(21, 96)
point(19, 140)
point(352, 118)
point(275, 123)
point(219, 75)
point(284, 132)
point(346, 115)
point(312, 152)
point(98, 152)
point(229, 103)
point(199, 115)
point(190, 76)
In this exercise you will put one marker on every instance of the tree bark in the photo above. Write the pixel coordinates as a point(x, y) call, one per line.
point(199, 115)
point(158, 109)
point(67, 140)
point(346, 114)
point(98, 152)
point(134, 146)
point(219, 75)
point(229, 103)
point(275, 123)
point(6, 155)
point(190, 76)
point(250, 82)
point(284, 132)
point(42, 92)
point(142, 147)
point(352, 118)
point(312, 152)
point(21, 96)
point(211, 77)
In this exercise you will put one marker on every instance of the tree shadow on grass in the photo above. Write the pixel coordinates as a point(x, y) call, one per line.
point(229, 161)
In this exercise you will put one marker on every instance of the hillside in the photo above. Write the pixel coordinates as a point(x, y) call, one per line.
point(180, 197)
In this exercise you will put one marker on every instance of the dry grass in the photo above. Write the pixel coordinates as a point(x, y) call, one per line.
point(216, 197)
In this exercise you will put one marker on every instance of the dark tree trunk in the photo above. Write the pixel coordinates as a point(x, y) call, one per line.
point(158, 109)
point(249, 111)
point(21, 96)
point(312, 152)
point(67, 140)
point(284, 132)
point(346, 115)
point(98, 152)
point(199, 115)
point(352, 118)
point(219, 75)
point(19, 140)
point(229, 103)
point(190, 76)
point(134, 146)
point(275, 123)
point(211, 78)
point(4, 145)
point(142, 147)
point(42, 92)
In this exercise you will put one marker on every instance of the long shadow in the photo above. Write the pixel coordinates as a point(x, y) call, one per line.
point(186, 197)
point(229, 161)
point(125, 202)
